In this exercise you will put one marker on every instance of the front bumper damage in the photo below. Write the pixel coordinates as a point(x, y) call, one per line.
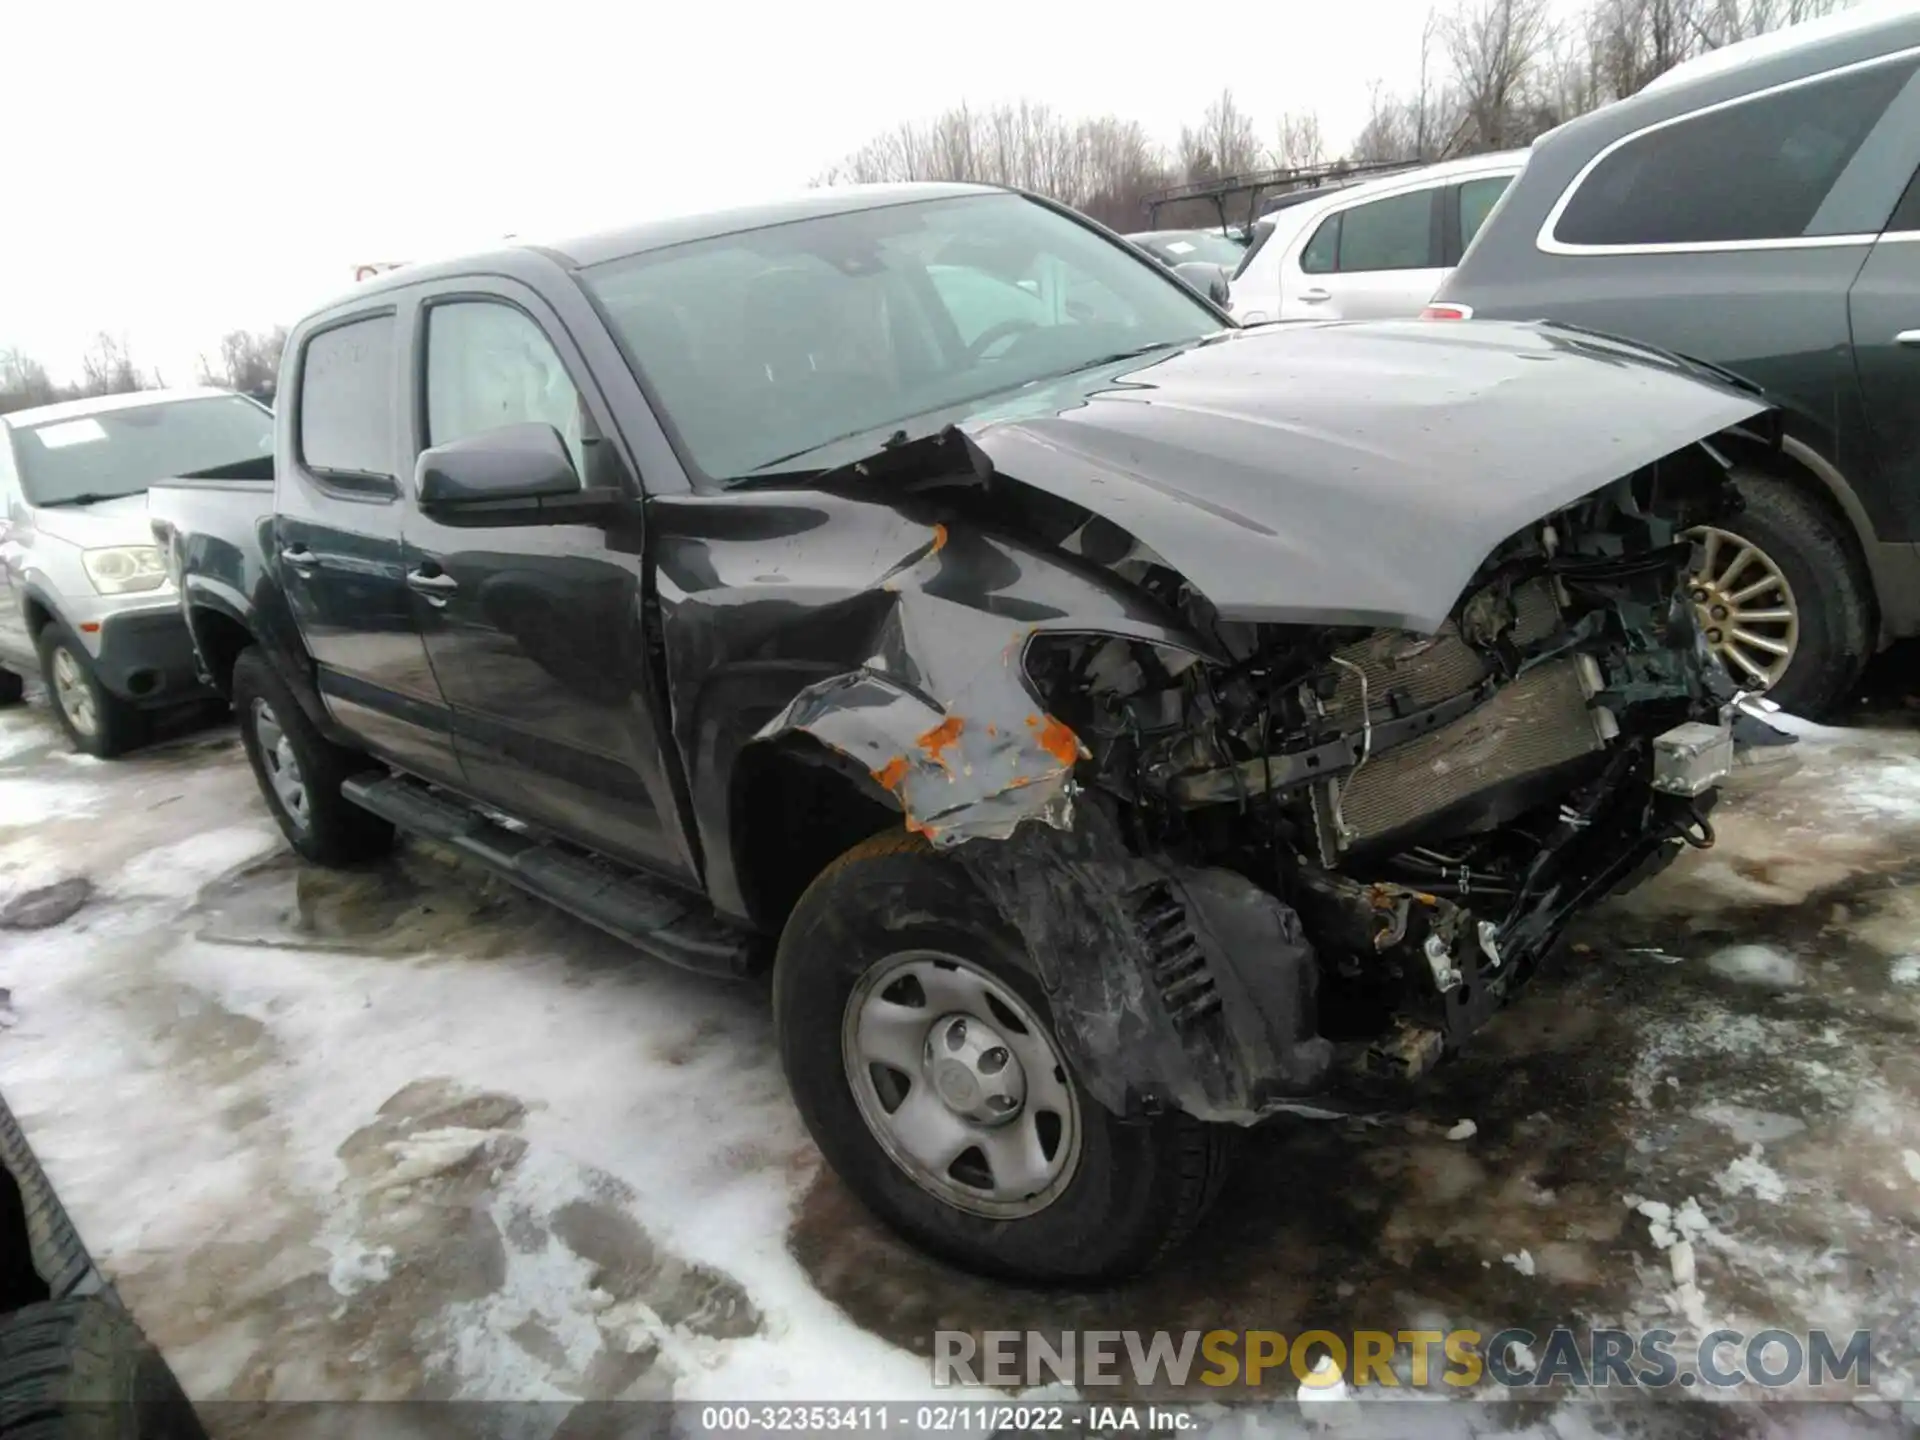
point(1205, 999)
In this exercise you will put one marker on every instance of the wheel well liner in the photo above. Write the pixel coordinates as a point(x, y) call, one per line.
point(1800, 464)
point(219, 638)
point(797, 806)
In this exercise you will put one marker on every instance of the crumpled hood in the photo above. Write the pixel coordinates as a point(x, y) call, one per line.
point(1359, 473)
point(121, 521)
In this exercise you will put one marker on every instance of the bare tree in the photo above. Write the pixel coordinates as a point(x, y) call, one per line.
point(24, 382)
point(1101, 166)
point(249, 361)
point(108, 369)
point(1224, 143)
point(1721, 22)
point(1496, 48)
point(1299, 143)
point(1391, 131)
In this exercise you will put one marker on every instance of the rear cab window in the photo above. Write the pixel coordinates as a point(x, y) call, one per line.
point(1755, 170)
point(345, 405)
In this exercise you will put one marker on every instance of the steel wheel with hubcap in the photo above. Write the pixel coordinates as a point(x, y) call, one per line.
point(929, 1068)
point(299, 770)
point(282, 766)
point(1745, 607)
point(961, 1085)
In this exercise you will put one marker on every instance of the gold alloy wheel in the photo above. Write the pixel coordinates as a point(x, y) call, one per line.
point(1745, 607)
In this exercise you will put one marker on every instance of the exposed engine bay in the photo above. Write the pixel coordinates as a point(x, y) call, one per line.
point(1284, 859)
point(1433, 808)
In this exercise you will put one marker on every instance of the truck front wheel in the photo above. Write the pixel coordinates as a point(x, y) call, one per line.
point(922, 1054)
point(300, 771)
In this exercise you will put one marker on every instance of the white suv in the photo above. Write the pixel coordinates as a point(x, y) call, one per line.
point(1376, 250)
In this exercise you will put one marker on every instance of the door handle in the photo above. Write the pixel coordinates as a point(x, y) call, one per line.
point(1907, 337)
point(1316, 295)
point(301, 559)
point(435, 587)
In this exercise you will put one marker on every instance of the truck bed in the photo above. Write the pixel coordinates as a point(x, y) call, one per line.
point(214, 528)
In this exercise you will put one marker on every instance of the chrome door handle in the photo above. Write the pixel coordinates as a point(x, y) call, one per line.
point(1907, 337)
point(436, 587)
point(300, 558)
point(1316, 295)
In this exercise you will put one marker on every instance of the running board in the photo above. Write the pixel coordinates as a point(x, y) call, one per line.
point(667, 923)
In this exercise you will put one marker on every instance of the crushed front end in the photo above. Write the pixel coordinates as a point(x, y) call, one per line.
point(1313, 855)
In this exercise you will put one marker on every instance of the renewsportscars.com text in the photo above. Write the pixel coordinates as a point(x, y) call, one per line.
point(1397, 1359)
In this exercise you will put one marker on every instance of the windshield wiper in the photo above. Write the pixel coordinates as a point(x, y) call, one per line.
point(86, 497)
point(1134, 354)
point(898, 437)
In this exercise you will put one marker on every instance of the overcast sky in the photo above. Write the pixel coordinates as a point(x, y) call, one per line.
point(178, 170)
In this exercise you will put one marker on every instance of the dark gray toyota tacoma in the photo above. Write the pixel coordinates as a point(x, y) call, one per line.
point(1113, 726)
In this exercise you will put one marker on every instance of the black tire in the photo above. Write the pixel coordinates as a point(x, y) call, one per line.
point(117, 726)
point(81, 1370)
point(1810, 547)
point(13, 688)
point(1140, 1186)
point(333, 831)
point(54, 1251)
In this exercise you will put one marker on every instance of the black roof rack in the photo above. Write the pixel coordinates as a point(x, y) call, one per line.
point(1257, 184)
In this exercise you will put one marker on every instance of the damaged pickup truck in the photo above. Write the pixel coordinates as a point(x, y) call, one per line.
point(1112, 725)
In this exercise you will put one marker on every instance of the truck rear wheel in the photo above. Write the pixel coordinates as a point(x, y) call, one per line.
point(81, 1370)
point(13, 689)
point(300, 771)
point(921, 1052)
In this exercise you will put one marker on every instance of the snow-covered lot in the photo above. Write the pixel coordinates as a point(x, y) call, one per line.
point(407, 1133)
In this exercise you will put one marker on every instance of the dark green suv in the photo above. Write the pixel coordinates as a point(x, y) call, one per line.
point(1758, 209)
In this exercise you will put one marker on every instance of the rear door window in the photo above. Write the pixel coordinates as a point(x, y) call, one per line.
point(1756, 170)
point(346, 400)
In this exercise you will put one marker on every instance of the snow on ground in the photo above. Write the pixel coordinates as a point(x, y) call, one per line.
point(402, 1132)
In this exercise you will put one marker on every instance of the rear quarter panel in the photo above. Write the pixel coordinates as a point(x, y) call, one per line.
point(217, 536)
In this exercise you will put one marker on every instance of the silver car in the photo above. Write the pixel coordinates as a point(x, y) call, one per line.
point(87, 603)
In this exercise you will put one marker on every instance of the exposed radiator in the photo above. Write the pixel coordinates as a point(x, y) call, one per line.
point(1538, 722)
point(1429, 669)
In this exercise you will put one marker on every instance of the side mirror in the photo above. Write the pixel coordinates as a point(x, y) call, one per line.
point(1209, 279)
point(515, 475)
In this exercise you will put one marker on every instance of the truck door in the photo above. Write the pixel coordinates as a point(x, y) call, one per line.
point(538, 632)
point(337, 536)
point(1884, 308)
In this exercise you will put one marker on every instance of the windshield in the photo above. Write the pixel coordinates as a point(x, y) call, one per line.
point(121, 452)
point(801, 345)
point(1185, 247)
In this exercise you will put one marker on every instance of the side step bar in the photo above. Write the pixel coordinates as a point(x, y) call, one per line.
point(650, 915)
